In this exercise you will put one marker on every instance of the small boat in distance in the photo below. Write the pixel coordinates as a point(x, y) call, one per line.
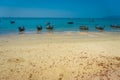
point(49, 27)
point(99, 28)
point(114, 26)
point(12, 22)
point(84, 28)
point(48, 23)
point(21, 29)
point(70, 22)
point(39, 28)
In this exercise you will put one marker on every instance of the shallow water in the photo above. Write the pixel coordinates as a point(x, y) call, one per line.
point(60, 24)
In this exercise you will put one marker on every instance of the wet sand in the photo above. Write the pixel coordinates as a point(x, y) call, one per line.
point(69, 56)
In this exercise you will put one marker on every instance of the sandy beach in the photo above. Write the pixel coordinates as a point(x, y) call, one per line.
point(67, 56)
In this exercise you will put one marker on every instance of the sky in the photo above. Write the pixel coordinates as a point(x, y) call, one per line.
point(60, 8)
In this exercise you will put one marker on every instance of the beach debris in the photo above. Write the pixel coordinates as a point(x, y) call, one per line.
point(83, 57)
point(15, 60)
point(101, 64)
point(30, 76)
point(84, 28)
point(117, 58)
point(60, 77)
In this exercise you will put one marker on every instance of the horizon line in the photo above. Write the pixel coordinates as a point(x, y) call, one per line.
point(66, 17)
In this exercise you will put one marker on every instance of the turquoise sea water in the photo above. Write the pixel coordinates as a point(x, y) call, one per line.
point(60, 24)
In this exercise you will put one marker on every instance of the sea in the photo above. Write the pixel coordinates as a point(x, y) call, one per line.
point(59, 24)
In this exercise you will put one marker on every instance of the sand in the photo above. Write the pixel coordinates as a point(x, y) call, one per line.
point(67, 56)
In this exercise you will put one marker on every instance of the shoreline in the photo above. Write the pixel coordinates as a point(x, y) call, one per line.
point(58, 32)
